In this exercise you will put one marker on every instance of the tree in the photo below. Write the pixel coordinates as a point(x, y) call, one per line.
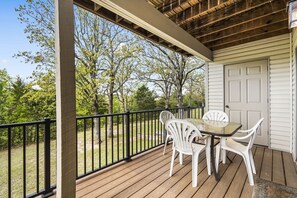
point(102, 50)
point(41, 96)
point(18, 111)
point(144, 98)
point(172, 68)
point(5, 83)
point(195, 91)
point(155, 69)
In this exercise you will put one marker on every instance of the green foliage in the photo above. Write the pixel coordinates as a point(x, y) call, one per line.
point(144, 99)
point(5, 83)
point(41, 96)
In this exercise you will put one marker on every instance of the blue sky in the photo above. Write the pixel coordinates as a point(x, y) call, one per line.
point(12, 40)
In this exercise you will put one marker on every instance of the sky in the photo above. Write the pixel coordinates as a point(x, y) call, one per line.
point(13, 40)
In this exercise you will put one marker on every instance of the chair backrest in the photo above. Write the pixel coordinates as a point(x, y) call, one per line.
point(183, 133)
point(216, 115)
point(253, 132)
point(166, 115)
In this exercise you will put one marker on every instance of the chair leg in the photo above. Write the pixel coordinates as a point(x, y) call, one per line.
point(248, 168)
point(223, 154)
point(208, 157)
point(218, 149)
point(172, 162)
point(180, 158)
point(195, 169)
point(252, 161)
point(166, 141)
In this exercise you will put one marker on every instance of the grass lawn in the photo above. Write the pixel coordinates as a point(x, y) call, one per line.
point(144, 133)
point(143, 138)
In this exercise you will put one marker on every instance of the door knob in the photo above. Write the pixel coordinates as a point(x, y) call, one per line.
point(227, 106)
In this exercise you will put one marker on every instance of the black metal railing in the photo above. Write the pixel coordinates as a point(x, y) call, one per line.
point(28, 150)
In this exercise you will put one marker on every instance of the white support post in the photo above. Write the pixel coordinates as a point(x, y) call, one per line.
point(65, 90)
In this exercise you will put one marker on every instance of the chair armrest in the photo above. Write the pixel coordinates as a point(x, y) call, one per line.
point(242, 137)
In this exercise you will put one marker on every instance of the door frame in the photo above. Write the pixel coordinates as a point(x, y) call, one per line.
point(268, 93)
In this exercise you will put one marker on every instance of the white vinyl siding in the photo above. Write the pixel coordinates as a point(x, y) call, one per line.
point(294, 46)
point(277, 51)
point(215, 87)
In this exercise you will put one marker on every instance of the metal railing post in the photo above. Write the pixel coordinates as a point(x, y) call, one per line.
point(128, 157)
point(47, 158)
point(189, 112)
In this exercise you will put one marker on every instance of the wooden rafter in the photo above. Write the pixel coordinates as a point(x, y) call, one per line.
point(191, 14)
point(254, 30)
point(215, 23)
point(211, 32)
point(250, 38)
point(104, 13)
point(180, 7)
point(234, 16)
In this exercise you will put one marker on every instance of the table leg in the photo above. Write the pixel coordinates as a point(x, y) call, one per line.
point(213, 159)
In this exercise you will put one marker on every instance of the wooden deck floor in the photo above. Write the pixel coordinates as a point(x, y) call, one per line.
point(148, 176)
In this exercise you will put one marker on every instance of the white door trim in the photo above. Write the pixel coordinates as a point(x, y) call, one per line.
point(267, 92)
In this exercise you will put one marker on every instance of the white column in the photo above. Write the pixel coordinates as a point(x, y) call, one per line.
point(65, 90)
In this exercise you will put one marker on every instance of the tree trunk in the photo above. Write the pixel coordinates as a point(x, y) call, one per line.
point(96, 120)
point(180, 102)
point(110, 110)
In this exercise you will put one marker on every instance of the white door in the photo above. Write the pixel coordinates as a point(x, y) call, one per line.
point(246, 98)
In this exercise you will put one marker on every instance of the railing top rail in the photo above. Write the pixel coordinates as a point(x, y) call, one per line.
point(24, 124)
point(95, 116)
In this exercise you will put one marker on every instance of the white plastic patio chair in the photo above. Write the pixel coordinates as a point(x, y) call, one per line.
point(164, 117)
point(217, 116)
point(232, 144)
point(183, 133)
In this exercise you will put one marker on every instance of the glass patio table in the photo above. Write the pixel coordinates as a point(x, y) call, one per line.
point(215, 129)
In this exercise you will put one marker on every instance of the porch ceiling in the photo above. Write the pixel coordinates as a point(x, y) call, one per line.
point(215, 23)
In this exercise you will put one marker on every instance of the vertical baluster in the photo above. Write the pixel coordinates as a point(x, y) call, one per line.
point(24, 161)
point(137, 131)
point(144, 131)
point(47, 157)
point(118, 141)
point(132, 134)
point(99, 141)
point(92, 130)
point(112, 143)
point(123, 136)
point(155, 127)
point(128, 158)
point(106, 140)
point(9, 161)
point(202, 111)
point(76, 140)
point(140, 124)
point(37, 157)
point(85, 146)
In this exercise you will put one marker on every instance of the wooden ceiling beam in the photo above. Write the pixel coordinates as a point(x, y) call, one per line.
point(281, 20)
point(147, 17)
point(110, 16)
point(249, 38)
point(202, 9)
point(219, 20)
point(212, 31)
point(179, 7)
point(249, 31)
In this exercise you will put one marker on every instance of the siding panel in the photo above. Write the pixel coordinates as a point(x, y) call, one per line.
point(294, 58)
point(277, 51)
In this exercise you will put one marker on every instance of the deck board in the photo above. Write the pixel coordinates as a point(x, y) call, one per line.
point(148, 176)
point(278, 171)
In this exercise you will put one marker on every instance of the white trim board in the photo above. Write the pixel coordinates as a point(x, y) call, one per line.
point(146, 16)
